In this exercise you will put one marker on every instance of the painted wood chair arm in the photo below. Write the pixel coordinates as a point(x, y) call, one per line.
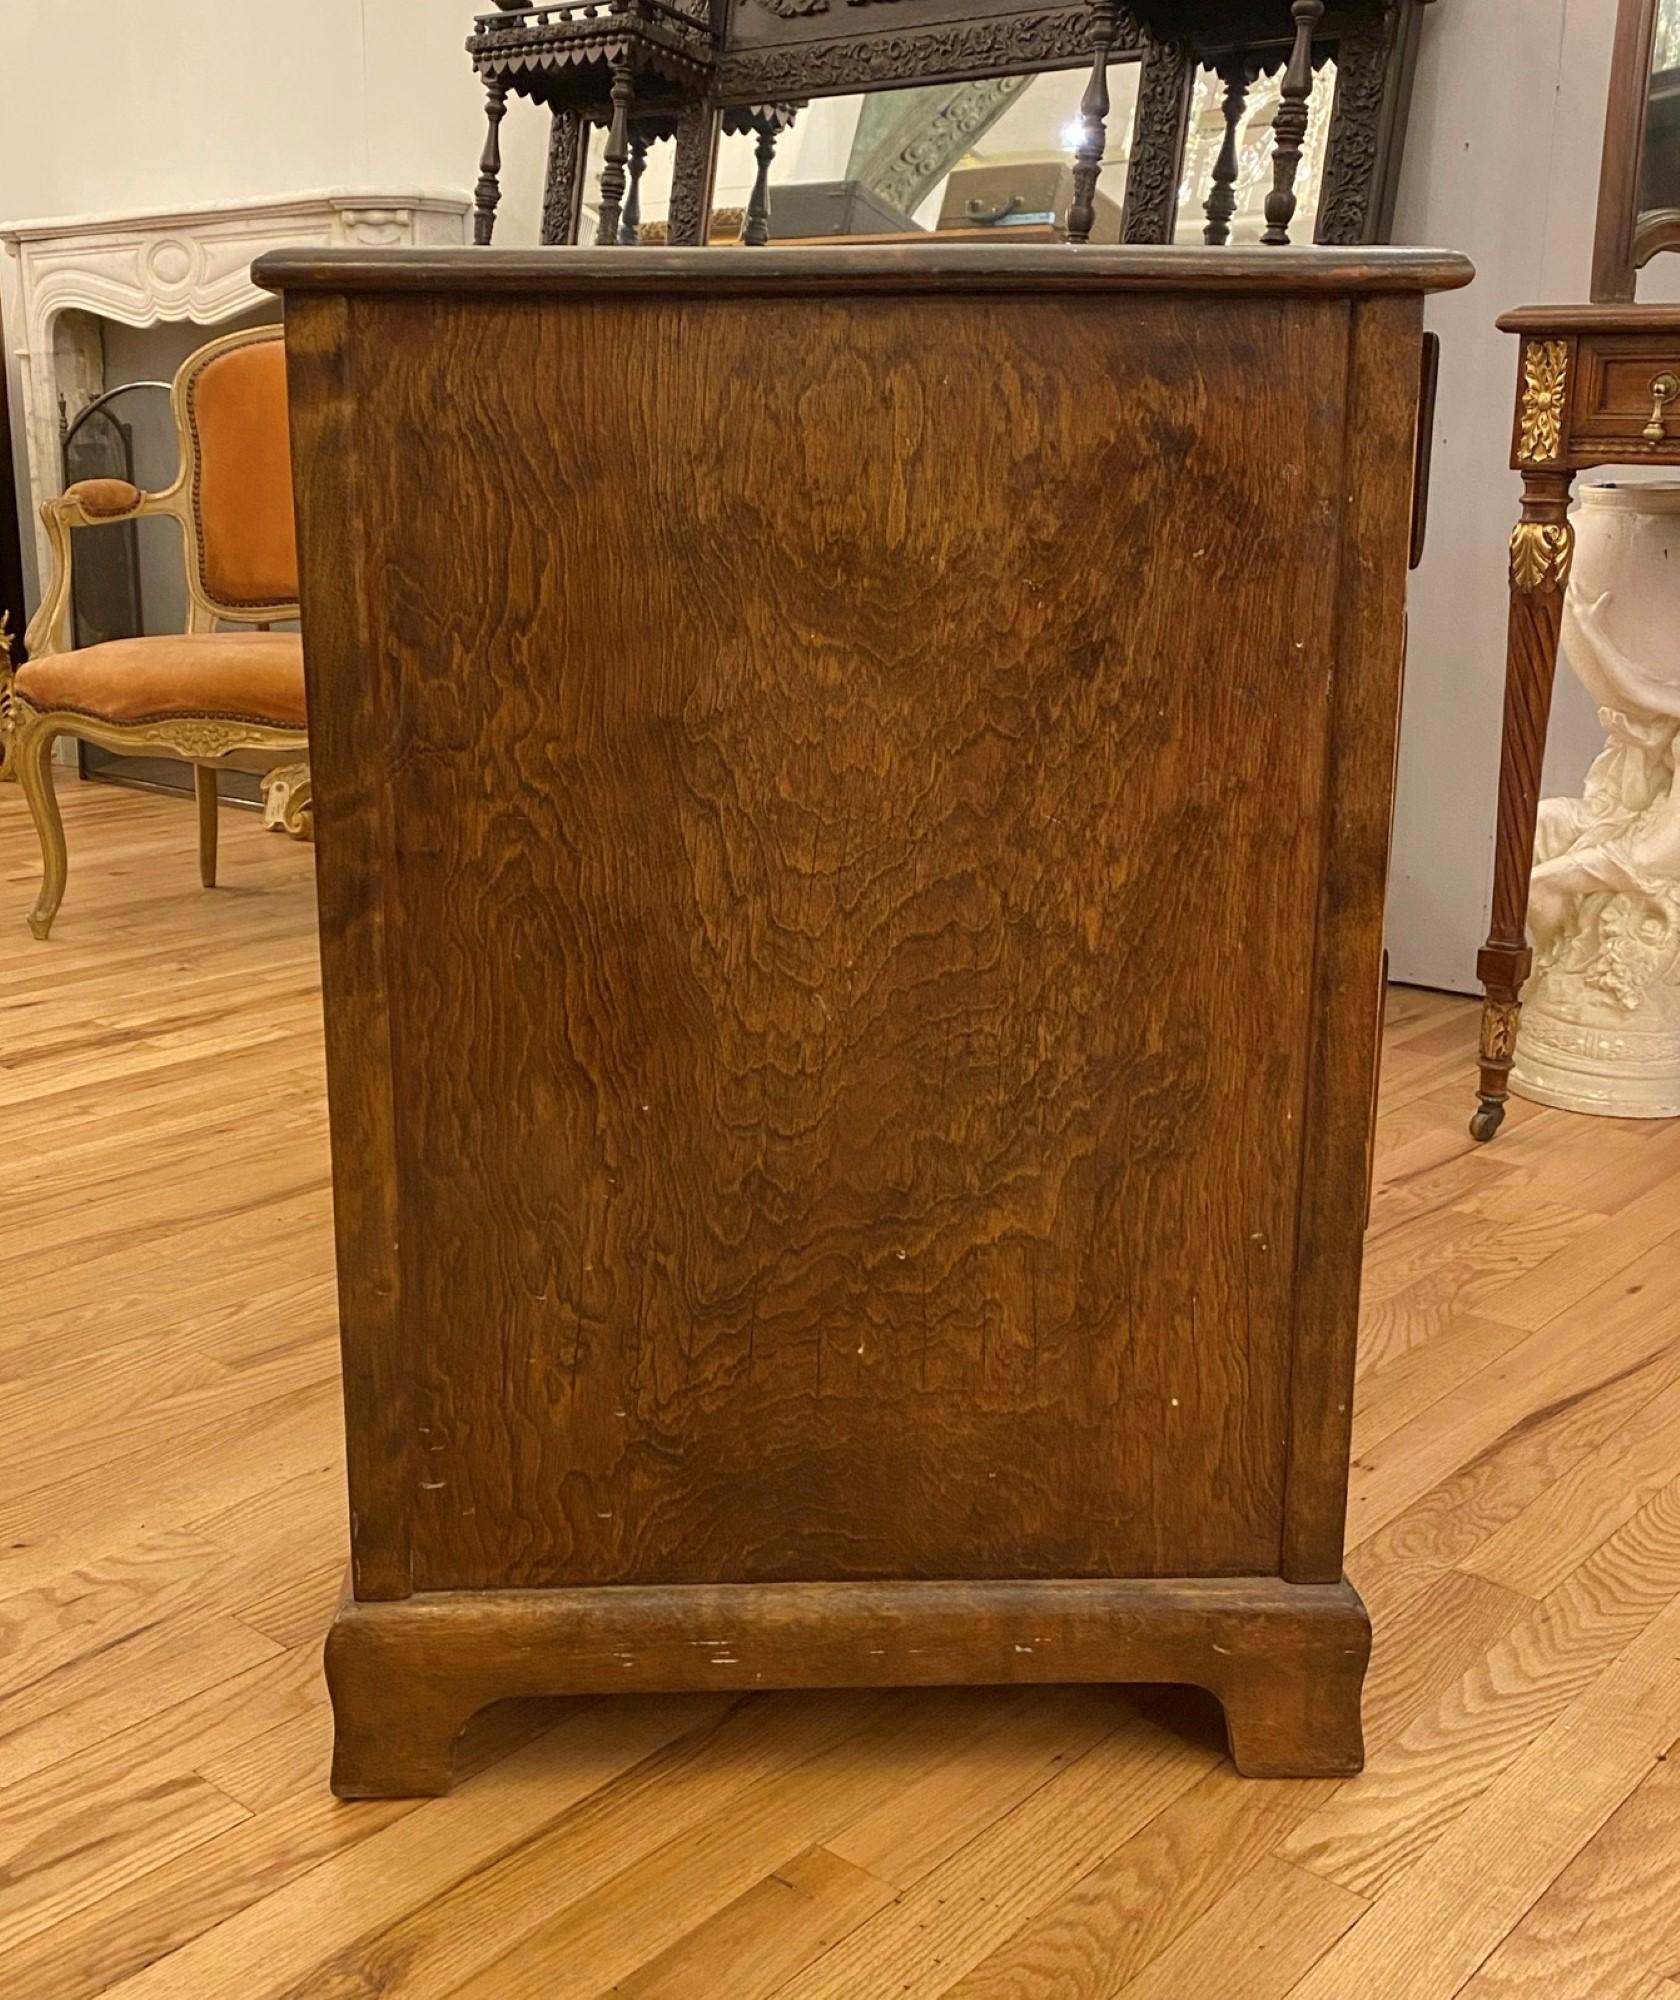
point(90, 503)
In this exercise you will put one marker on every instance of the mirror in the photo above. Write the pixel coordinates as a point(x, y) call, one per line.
point(987, 158)
point(1639, 180)
point(1659, 175)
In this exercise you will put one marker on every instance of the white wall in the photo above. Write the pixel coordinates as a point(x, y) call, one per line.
point(146, 103)
point(1501, 162)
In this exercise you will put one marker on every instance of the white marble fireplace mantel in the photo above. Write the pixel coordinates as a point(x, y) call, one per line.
point(191, 264)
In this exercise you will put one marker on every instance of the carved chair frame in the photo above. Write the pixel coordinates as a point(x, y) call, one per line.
point(207, 742)
point(49, 628)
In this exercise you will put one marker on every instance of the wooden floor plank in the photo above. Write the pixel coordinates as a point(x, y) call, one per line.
point(675, 1885)
point(932, 1818)
point(935, 1932)
point(1430, 1930)
point(1256, 1941)
point(713, 1797)
point(1412, 1789)
point(1594, 1930)
point(172, 1535)
point(770, 1932)
point(1121, 1915)
point(279, 1943)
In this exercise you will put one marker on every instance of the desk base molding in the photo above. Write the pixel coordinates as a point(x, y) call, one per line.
point(1286, 1661)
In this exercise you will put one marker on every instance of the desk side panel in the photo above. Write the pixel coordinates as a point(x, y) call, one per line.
point(349, 731)
point(856, 774)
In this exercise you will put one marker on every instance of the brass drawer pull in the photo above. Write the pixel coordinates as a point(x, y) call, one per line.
point(1664, 388)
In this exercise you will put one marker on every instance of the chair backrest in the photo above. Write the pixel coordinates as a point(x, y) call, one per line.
point(236, 477)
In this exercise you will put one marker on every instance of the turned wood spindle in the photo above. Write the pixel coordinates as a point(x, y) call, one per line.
point(488, 190)
point(1289, 129)
point(614, 178)
point(1093, 125)
point(630, 226)
point(755, 224)
point(1236, 73)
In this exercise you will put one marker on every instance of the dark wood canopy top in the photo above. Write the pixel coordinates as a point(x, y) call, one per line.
point(933, 267)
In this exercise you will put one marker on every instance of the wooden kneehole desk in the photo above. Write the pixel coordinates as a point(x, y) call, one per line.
point(853, 797)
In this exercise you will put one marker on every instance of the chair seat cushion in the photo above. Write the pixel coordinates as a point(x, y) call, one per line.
point(240, 676)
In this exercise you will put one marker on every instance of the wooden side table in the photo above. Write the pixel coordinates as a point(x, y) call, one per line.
point(1597, 385)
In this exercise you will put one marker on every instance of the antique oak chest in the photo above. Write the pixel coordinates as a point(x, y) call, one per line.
point(853, 796)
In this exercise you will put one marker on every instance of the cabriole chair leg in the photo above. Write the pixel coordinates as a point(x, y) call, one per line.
point(32, 753)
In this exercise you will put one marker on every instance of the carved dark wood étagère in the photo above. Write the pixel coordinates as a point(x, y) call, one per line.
point(663, 59)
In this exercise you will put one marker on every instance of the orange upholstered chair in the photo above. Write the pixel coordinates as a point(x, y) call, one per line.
point(209, 695)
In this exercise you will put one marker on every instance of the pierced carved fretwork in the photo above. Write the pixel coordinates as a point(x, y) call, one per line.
point(1163, 104)
point(1355, 150)
point(951, 51)
point(568, 143)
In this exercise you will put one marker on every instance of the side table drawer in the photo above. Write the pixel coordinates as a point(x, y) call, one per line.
point(1627, 391)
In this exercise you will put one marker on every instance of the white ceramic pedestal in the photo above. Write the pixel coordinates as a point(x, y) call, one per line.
point(1601, 1015)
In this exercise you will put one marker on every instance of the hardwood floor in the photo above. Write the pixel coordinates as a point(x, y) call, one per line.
point(171, 1543)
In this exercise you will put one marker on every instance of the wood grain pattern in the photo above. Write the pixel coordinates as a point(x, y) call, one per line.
point(1138, 1902)
point(657, 1806)
point(1256, 1941)
point(770, 1931)
point(1434, 1928)
point(929, 1936)
point(1594, 1930)
point(1454, 1749)
point(829, 942)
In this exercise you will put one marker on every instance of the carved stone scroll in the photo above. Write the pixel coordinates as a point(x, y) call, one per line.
point(907, 140)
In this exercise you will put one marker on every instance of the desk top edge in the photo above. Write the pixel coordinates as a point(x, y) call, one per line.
point(1610, 317)
point(789, 271)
